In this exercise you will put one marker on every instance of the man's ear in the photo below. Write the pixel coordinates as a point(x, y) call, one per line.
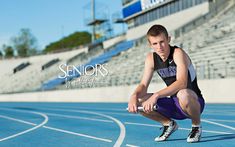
point(169, 39)
point(149, 44)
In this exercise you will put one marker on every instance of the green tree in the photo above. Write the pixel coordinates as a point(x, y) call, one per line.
point(25, 43)
point(9, 51)
point(73, 40)
point(1, 55)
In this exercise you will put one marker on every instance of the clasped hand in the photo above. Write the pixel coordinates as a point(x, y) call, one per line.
point(148, 105)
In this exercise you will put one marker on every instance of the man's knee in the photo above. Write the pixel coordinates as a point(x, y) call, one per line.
point(145, 114)
point(186, 97)
point(148, 114)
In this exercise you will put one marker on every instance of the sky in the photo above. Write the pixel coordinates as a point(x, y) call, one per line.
point(50, 20)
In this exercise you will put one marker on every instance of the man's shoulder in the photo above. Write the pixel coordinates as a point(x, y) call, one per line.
point(149, 55)
point(179, 50)
point(180, 53)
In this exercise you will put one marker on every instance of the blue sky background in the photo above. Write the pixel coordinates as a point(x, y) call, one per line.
point(49, 20)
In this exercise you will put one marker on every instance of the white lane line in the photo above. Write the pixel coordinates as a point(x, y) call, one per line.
point(218, 124)
point(122, 134)
point(141, 124)
point(222, 120)
point(72, 110)
point(77, 134)
point(122, 114)
point(78, 117)
point(18, 120)
point(28, 130)
point(130, 145)
point(57, 129)
point(121, 126)
point(150, 125)
point(91, 108)
point(217, 113)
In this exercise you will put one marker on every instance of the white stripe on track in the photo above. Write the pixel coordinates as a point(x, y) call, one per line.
point(28, 130)
point(91, 108)
point(121, 126)
point(122, 134)
point(150, 125)
point(56, 129)
point(78, 117)
point(68, 110)
point(130, 145)
point(18, 120)
point(77, 134)
point(123, 114)
point(218, 124)
point(222, 120)
point(219, 114)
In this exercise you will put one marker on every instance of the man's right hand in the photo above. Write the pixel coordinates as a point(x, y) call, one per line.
point(132, 105)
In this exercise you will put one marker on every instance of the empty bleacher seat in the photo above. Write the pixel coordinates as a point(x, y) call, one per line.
point(20, 67)
point(50, 63)
point(103, 58)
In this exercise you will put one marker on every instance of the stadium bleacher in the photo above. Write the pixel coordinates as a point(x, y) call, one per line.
point(210, 46)
point(105, 57)
point(20, 67)
point(50, 63)
point(31, 77)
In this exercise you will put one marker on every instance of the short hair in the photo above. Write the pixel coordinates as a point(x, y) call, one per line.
point(156, 30)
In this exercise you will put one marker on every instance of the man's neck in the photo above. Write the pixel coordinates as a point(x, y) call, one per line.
point(164, 58)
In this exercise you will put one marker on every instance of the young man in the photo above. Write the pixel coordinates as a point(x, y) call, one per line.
point(181, 98)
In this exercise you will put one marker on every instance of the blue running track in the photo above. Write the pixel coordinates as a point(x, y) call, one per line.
point(104, 125)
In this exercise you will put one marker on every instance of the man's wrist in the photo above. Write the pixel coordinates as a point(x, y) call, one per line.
point(156, 95)
point(134, 95)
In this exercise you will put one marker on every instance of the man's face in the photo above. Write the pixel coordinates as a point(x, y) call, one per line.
point(160, 44)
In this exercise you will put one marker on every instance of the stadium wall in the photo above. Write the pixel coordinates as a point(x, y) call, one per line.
point(214, 91)
point(177, 20)
point(7, 65)
point(113, 41)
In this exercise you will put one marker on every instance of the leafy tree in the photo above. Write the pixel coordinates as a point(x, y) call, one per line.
point(25, 43)
point(9, 51)
point(1, 54)
point(73, 40)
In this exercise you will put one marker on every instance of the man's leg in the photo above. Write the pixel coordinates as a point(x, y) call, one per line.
point(189, 103)
point(169, 125)
point(153, 115)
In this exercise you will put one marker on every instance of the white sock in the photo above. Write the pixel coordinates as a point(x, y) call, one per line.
point(171, 121)
point(196, 125)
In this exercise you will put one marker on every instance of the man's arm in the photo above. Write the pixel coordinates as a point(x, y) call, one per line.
point(182, 61)
point(141, 89)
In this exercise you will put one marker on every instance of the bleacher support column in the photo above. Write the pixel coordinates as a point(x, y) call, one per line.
point(208, 68)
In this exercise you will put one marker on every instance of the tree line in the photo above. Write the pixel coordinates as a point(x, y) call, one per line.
point(25, 44)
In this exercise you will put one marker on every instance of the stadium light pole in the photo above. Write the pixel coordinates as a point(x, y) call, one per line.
point(93, 19)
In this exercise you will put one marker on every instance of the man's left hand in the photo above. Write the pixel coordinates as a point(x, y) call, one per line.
point(149, 104)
